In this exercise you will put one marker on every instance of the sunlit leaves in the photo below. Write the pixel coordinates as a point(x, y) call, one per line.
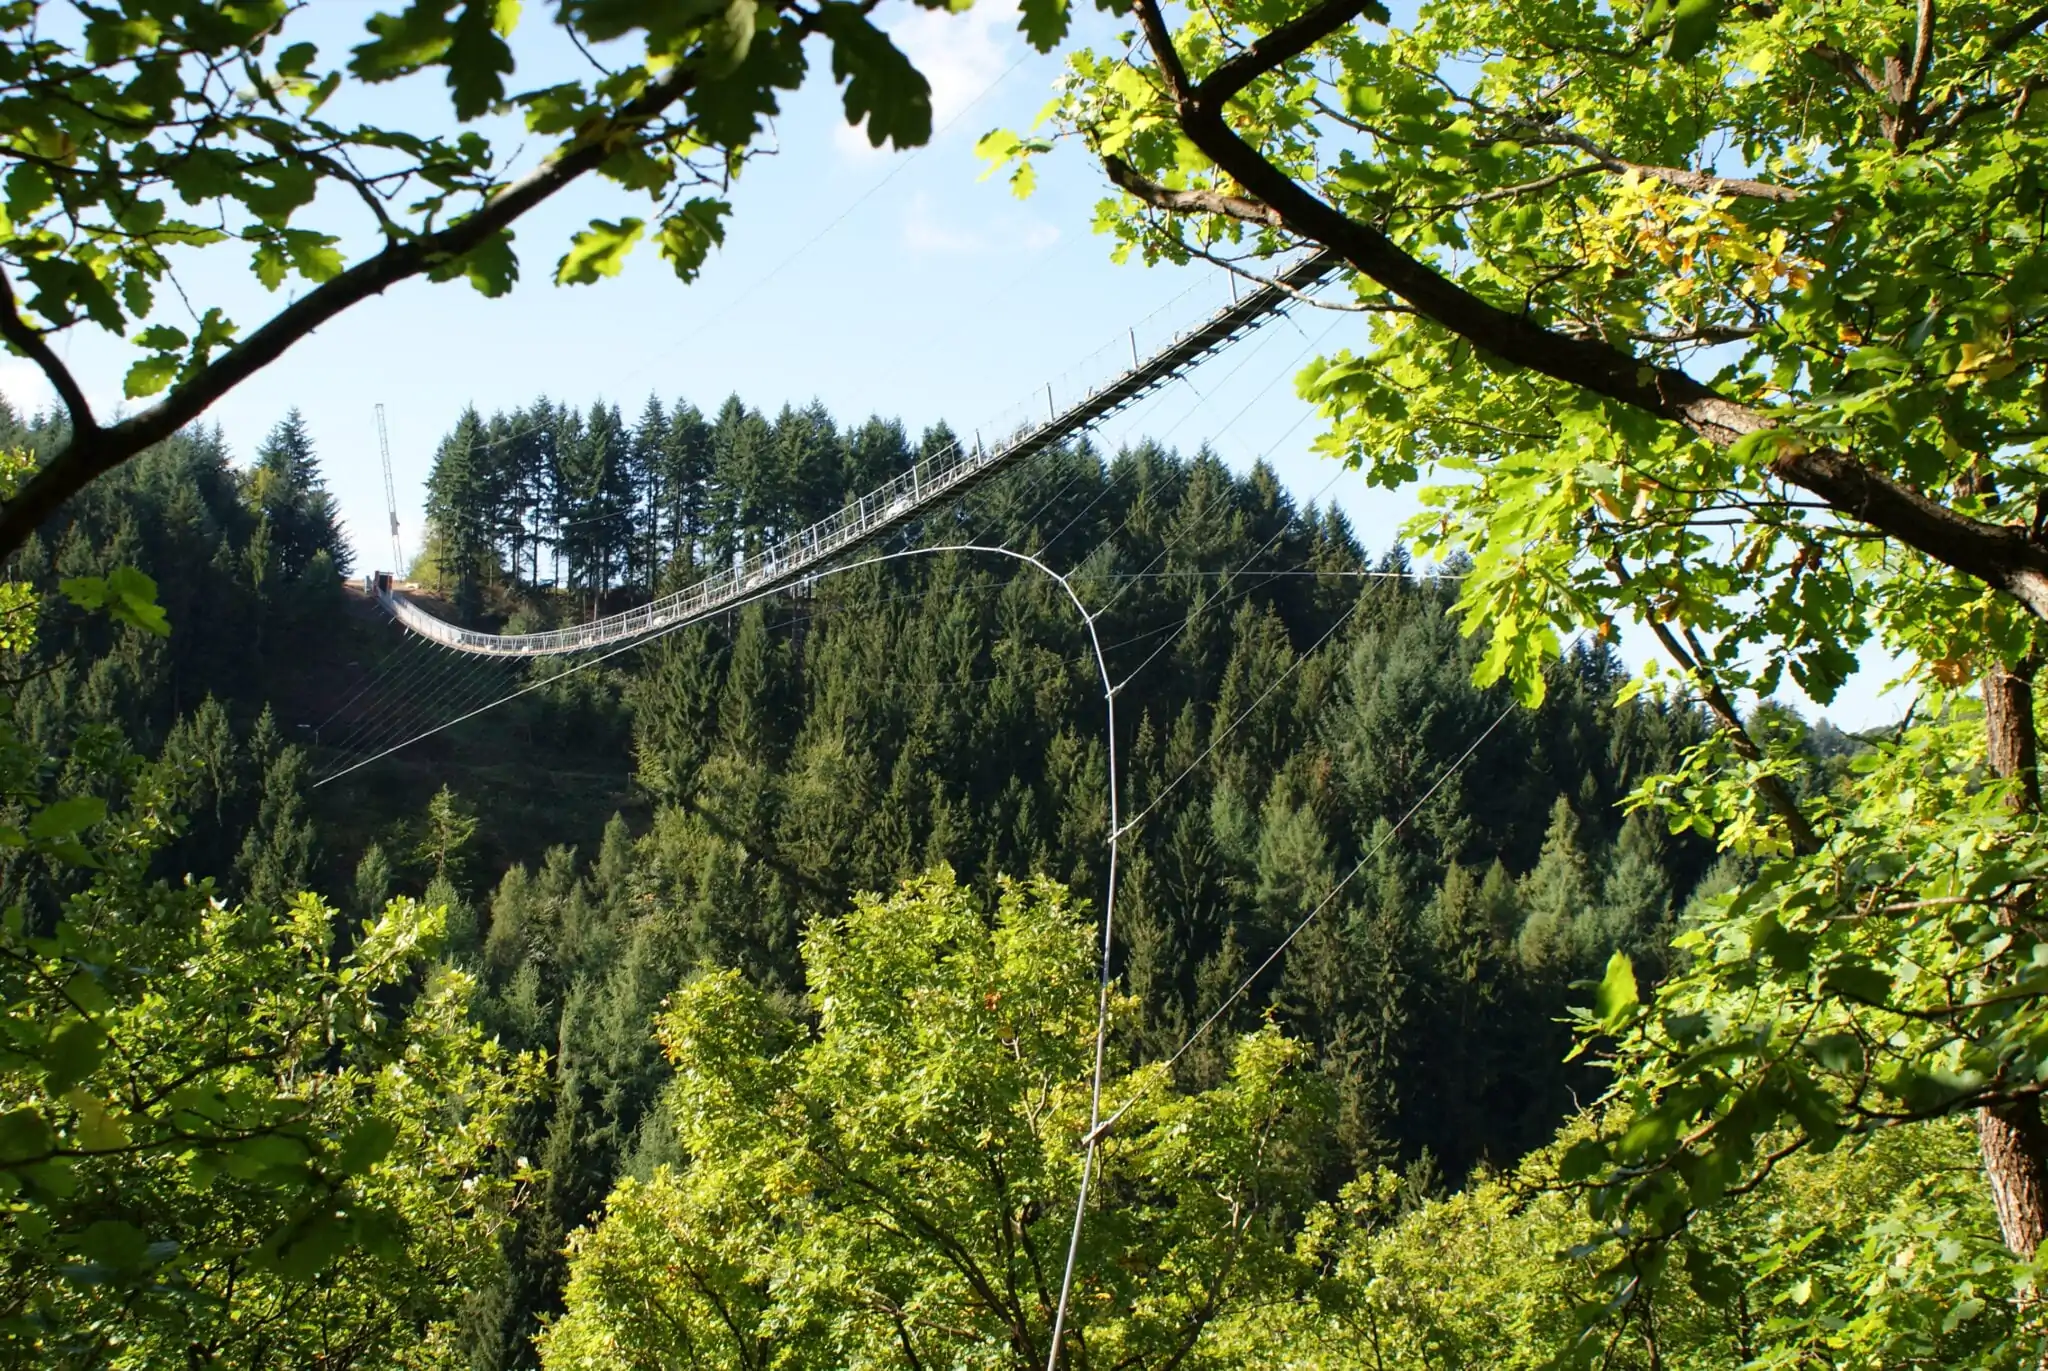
point(688, 235)
point(126, 594)
point(140, 113)
point(1616, 997)
point(598, 251)
point(918, 1129)
point(491, 266)
point(1044, 22)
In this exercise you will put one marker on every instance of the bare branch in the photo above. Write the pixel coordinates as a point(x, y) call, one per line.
point(1680, 178)
point(1487, 197)
point(32, 345)
point(1923, 51)
point(1160, 39)
point(1804, 839)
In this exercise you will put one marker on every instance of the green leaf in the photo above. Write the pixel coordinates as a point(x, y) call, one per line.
point(72, 1054)
point(162, 338)
point(99, 1130)
point(1616, 998)
point(65, 818)
point(599, 250)
point(688, 235)
point(367, 1145)
point(24, 1134)
point(1841, 1053)
point(882, 87)
point(402, 43)
point(1584, 1158)
point(1044, 23)
point(28, 190)
point(295, 60)
point(115, 1243)
point(149, 376)
point(1713, 1280)
point(491, 266)
point(478, 59)
point(1694, 24)
point(1859, 981)
point(304, 1249)
point(313, 255)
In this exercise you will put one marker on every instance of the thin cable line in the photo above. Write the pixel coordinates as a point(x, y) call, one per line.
point(419, 662)
point(1231, 728)
point(1104, 980)
point(1194, 409)
point(384, 667)
point(455, 683)
point(1309, 918)
point(1220, 598)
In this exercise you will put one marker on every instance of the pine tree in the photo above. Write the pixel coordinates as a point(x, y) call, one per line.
point(446, 829)
point(647, 472)
point(1563, 931)
point(277, 855)
point(459, 512)
point(286, 487)
point(686, 483)
point(1635, 902)
point(374, 883)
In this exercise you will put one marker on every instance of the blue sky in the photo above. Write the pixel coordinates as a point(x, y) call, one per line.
point(875, 281)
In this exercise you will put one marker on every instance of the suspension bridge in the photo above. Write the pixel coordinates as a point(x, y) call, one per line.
point(933, 481)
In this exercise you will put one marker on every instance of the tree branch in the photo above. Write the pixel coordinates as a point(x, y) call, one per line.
point(1126, 178)
point(2001, 556)
point(1681, 178)
point(1923, 50)
point(1277, 48)
point(1804, 840)
point(36, 348)
point(94, 451)
point(2012, 36)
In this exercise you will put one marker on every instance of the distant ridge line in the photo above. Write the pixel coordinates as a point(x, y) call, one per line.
point(935, 480)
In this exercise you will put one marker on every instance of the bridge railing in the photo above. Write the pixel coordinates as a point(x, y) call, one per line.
point(927, 482)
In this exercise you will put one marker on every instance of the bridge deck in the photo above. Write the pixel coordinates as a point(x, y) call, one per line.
point(933, 481)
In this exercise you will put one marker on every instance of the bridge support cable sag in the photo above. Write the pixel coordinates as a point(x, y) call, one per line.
point(938, 479)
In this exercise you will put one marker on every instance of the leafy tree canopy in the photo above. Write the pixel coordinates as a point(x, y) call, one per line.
point(226, 1139)
point(896, 1185)
point(141, 130)
point(1726, 318)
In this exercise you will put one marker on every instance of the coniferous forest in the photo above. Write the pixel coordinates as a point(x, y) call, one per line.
point(1287, 703)
point(770, 889)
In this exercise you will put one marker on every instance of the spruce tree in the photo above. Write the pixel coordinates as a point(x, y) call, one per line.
point(1562, 932)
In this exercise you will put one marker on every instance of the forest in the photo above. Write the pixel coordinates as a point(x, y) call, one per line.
point(914, 748)
point(1101, 916)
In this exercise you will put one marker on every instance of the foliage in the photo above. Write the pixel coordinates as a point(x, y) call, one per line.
point(1860, 275)
point(899, 1180)
point(227, 1138)
point(1877, 1254)
point(1725, 320)
point(946, 710)
point(1885, 982)
point(130, 114)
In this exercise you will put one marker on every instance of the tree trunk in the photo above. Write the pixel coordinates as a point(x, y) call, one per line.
point(2013, 1137)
